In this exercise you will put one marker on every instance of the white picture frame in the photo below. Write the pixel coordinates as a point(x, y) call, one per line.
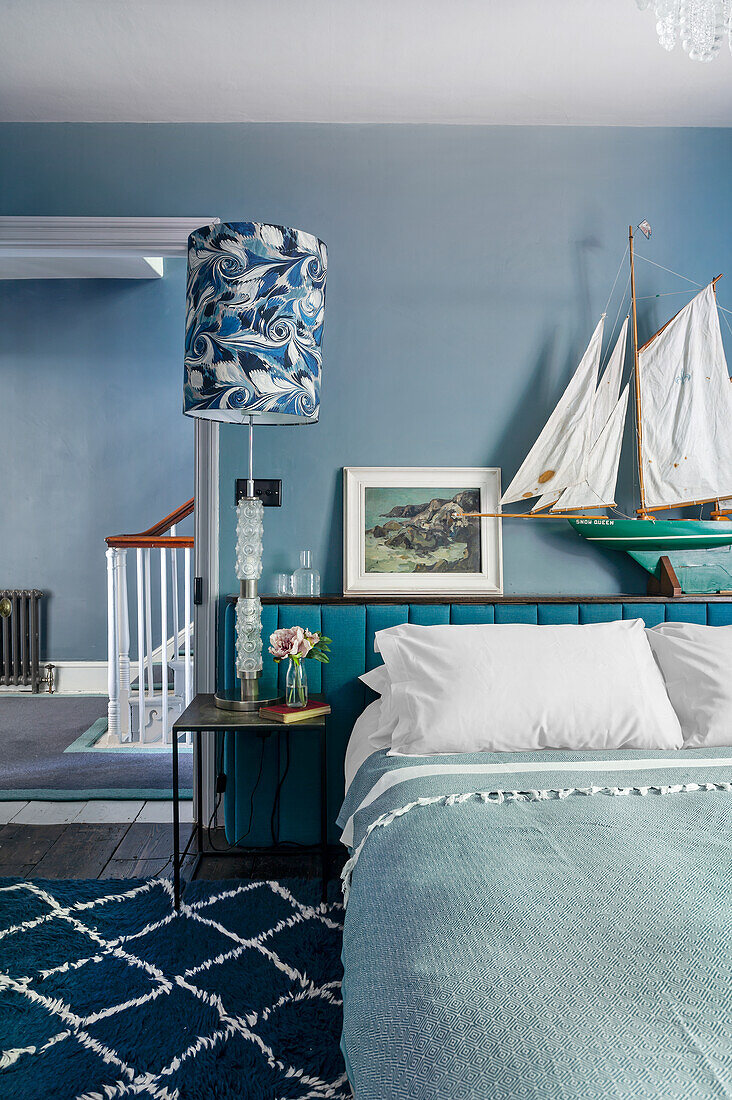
point(358, 581)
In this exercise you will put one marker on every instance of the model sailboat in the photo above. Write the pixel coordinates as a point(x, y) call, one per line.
point(683, 422)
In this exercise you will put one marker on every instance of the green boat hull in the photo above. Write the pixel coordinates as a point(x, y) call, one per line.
point(700, 551)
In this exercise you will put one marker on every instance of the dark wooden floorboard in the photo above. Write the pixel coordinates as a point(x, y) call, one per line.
point(27, 844)
point(134, 868)
point(139, 850)
point(146, 868)
point(215, 868)
point(81, 851)
point(150, 841)
point(15, 870)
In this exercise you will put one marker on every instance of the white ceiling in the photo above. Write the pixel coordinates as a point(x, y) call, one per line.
point(593, 62)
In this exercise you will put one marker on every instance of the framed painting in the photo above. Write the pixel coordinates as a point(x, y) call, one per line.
point(405, 530)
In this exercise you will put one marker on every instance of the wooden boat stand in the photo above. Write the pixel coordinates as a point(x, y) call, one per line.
point(666, 583)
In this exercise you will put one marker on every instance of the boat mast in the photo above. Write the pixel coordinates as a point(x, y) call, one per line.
point(636, 376)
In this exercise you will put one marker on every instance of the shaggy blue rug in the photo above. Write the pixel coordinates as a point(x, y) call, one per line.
point(106, 992)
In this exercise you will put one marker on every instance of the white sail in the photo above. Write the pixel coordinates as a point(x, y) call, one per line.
point(598, 487)
point(608, 388)
point(559, 456)
point(606, 401)
point(686, 408)
point(545, 500)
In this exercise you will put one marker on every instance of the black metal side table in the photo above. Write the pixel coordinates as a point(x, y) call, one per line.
point(202, 717)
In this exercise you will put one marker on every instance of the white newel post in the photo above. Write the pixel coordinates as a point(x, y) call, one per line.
point(112, 646)
point(123, 626)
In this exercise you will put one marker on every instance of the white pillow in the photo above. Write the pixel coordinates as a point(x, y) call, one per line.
point(513, 687)
point(696, 664)
point(377, 679)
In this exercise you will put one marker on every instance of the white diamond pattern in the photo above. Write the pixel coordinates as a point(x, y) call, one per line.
point(74, 1027)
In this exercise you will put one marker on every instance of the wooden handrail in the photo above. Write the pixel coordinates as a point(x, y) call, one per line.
point(155, 535)
point(171, 520)
point(174, 542)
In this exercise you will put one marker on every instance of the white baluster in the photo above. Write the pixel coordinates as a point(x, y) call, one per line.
point(140, 645)
point(187, 613)
point(148, 629)
point(164, 645)
point(176, 625)
point(112, 646)
point(123, 626)
point(174, 587)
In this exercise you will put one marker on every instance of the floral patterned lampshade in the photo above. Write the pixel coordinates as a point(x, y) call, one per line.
point(254, 323)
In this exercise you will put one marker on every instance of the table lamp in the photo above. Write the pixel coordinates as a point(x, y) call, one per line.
point(255, 304)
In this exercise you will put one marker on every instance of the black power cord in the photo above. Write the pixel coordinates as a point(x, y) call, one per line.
point(274, 828)
point(209, 828)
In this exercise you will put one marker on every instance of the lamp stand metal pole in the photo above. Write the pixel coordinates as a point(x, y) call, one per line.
point(250, 480)
point(246, 697)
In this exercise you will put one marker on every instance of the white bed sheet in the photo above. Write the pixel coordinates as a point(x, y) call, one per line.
point(372, 731)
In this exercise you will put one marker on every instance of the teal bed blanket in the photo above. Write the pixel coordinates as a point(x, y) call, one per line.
point(548, 925)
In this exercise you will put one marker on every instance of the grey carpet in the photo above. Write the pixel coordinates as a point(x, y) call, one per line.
point(34, 732)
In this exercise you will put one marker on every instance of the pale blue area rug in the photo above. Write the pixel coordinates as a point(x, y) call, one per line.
point(45, 743)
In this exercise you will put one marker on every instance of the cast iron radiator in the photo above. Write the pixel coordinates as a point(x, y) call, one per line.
point(19, 638)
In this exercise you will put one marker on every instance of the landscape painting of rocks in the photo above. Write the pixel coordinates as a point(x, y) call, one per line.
point(421, 530)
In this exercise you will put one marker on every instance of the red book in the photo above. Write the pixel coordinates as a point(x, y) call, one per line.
point(280, 713)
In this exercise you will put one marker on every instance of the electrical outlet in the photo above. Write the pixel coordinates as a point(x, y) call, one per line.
point(269, 490)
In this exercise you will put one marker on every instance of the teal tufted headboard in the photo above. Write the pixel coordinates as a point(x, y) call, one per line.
point(352, 623)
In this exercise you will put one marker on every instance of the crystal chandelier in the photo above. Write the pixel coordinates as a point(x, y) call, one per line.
point(700, 25)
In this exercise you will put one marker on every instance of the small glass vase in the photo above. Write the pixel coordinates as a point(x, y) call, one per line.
point(296, 684)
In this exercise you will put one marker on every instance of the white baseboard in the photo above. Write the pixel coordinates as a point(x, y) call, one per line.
point(90, 677)
point(79, 677)
point(69, 678)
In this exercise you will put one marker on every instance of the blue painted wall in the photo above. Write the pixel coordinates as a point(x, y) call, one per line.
point(468, 266)
point(92, 440)
point(467, 270)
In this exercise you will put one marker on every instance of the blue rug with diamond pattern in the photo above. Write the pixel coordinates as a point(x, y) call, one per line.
point(106, 992)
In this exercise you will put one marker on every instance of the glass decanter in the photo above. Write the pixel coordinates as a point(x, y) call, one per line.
point(306, 580)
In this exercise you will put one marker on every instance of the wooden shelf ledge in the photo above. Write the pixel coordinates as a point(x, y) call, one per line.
point(488, 599)
point(92, 248)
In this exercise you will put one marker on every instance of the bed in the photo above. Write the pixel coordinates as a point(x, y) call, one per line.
point(549, 925)
point(524, 925)
point(554, 919)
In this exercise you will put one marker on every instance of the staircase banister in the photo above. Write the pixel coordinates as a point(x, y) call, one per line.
point(175, 517)
point(173, 542)
point(155, 535)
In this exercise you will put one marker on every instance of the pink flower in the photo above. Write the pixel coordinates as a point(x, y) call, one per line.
point(291, 641)
point(280, 643)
